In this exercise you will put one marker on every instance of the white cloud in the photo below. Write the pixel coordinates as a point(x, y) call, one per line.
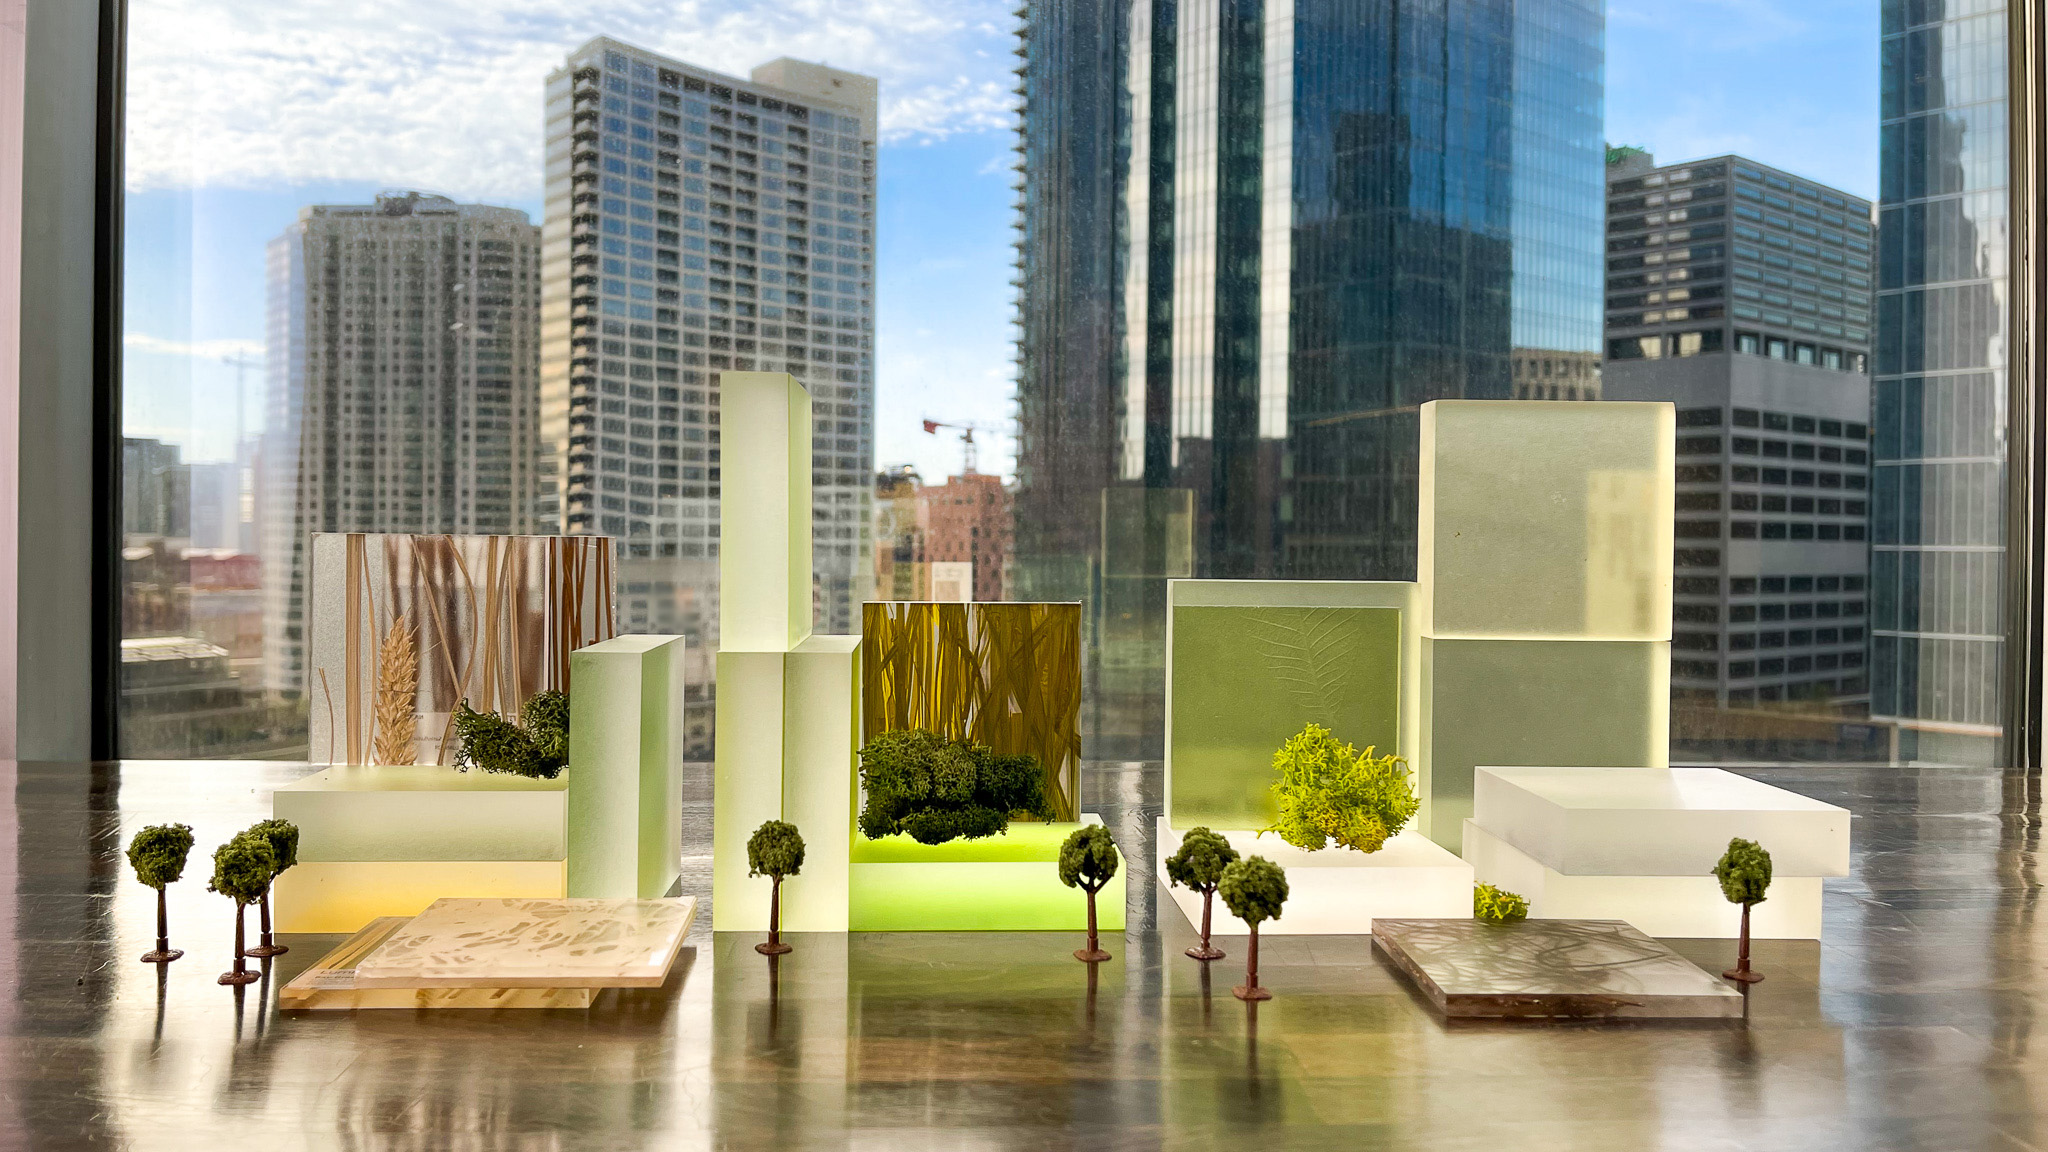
point(447, 96)
point(198, 350)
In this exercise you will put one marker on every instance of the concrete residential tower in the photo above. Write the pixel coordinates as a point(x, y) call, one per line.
point(1742, 294)
point(696, 223)
point(403, 358)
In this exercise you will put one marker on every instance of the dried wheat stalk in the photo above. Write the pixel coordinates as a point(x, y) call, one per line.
point(398, 687)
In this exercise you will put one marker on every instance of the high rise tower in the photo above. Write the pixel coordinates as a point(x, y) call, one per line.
point(403, 354)
point(1938, 506)
point(699, 223)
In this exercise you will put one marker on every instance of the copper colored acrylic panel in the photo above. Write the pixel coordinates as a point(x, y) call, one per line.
point(1004, 675)
point(405, 626)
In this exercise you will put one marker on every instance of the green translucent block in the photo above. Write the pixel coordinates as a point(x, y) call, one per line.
point(1544, 520)
point(764, 516)
point(747, 783)
point(625, 767)
point(423, 812)
point(1008, 882)
point(1252, 662)
point(820, 719)
point(1538, 703)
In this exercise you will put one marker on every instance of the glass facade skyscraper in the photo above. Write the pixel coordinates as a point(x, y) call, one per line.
point(1330, 212)
point(1939, 373)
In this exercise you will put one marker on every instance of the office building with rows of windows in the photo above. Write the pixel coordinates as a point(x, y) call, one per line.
point(698, 222)
point(402, 358)
point(1742, 295)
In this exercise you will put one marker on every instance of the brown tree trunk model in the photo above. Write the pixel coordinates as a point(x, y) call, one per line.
point(1250, 990)
point(1741, 970)
point(164, 953)
point(774, 946)
point(1093, 953)
point(1206, 950)
point(240, 974)
point(267, 948)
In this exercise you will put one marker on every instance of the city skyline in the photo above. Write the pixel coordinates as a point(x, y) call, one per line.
point(200, 215)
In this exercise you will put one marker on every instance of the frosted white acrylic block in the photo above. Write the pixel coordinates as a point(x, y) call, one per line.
point(402, 812)
point(1669, 906)
point(1655, 821)
point(1336, 891)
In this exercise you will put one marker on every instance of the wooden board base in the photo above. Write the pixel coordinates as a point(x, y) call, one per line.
point(330, 983)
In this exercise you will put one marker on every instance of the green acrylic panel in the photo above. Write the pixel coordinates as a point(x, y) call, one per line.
point(747, 782)
point(1023, 840)
point(1538, 703)
point(1014, 896)
point(1246, 678)
point(764, 560)
point(423, 812)
point(1545, 521)
point(820, 714)
point(625, 782)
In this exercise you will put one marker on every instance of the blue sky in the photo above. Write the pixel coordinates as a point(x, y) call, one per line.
point(244, 110)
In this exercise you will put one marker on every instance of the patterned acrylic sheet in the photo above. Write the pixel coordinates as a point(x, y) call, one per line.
point(1550, 968)
point(487, 619)
point(566, 943)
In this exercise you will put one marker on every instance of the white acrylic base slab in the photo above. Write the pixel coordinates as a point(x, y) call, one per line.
point(1656, 821)
point(1668, 906)
point(1337, 892)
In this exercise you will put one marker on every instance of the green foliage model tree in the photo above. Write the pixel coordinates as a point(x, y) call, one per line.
point(1199, 865)
point(775, 850)
point(283, 838)
point(1088, 860)
point(537, 747)
point(158, 854)
point(933, 789)
point(242, 869)
point(1253, 889)
point(1497, 905)
point(1330, 791)
point(1745, 874)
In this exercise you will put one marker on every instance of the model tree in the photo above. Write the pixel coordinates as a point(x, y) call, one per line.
point(1325, 790)
point(242, 869)
point(775, 850)
point(1199, 865)
point(1253, 889)
point(1745, 873)
point(283, 837)
point(537, 747)
point(1088, 861)
point(1497, 905)
point(158, 855)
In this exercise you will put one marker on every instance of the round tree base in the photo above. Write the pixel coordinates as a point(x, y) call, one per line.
point(162, 955)
point(775, 948)
point(1743, 974)
point(262, 950)
point(1206, 952)
point(240, 977)
point(1090, 956)
point(1243, 992)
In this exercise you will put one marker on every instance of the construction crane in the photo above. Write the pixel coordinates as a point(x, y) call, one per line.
point(967, 431)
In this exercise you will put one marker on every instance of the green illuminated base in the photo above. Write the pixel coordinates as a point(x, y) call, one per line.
point(1006, 883)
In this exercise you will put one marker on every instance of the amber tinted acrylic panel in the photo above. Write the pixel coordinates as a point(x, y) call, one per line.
point(1004, 675)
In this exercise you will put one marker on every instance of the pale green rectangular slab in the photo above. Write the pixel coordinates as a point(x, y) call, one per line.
point(1545, 520)
point(625, 767)
point(1251, 662)
point(1538, 703)
point(424, 812)
point(747, 783)
point(764, 559)
point(820, 722)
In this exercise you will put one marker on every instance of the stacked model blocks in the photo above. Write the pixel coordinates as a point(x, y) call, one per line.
point(1537, 632)
point(1639, 844)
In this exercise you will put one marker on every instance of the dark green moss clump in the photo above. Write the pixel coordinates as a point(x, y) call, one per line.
point(537, 747)
point(933, 789)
